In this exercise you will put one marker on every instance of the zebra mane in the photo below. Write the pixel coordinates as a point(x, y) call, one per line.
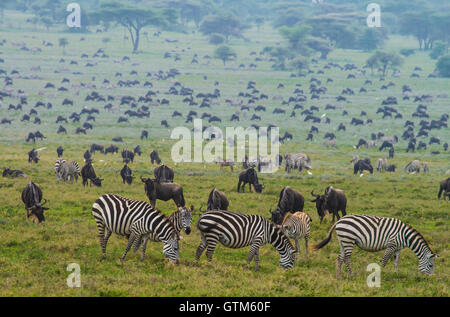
point(277, 230)
point(421, 237)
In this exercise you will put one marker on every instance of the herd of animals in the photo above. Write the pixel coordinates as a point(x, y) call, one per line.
point(140, 221)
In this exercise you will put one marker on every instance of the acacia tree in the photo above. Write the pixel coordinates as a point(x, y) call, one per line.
point(134, 18)
point(384, 61)
point(225, 53)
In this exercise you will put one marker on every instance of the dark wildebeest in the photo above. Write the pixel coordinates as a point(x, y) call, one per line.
point(31, 197)
point(87, 156)
point(144, 134)
point(88, 173)
point(362, 165)
point(126, 174)
point(127, 156)
point(163, 191)
point(331, 202)
point(111, 149)
point(59, 151)
point(7, 172)
point(154, 157)
point(163, 174)
point(33, 156)
point(444, 186)
point(137, 150)
point(217, 200)
point(250, 177)
point(97, 147)
point(290, 201)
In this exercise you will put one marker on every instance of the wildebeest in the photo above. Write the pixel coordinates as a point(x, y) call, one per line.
point(60, 151)
point(362, 165)
point(126, 174)
point(413, 167)
point(32, 197)
point(33, 156)
point(88, 174)
point(444, 186)
point(163, 174)
point(217, 200)
point(391, 168)
point(127, 156)
point(333, 201)
point(97, 147)
point(154, 157)
point(290, 201)
point(7, 172)
point(250, 177)
point(163, 191)
point(111, 149)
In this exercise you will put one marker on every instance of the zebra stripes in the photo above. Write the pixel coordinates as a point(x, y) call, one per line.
point(372, 233)
point(297, 226)
point(65, 170)
point(180, 219)
point(133, 219)
point(235, 230)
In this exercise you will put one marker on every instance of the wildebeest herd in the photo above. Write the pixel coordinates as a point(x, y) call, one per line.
point(140, 221)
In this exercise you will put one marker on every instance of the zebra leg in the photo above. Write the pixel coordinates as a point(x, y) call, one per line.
point(201, 247)
point(101, 237)
point(346, 253)
point(306, 245)
point(254, 253)
point(297, 247)
point(144, 247)
point(339, 262)
point(210, 247)
point(131, 240)
point(390, 250)
point(105, 241)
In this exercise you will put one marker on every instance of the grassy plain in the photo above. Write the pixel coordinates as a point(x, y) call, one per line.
point(33, 258)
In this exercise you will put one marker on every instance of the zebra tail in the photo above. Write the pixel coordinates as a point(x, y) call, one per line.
point(325, 241)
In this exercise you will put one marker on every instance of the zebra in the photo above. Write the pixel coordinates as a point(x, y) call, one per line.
point(65, 169)
point(57, 167)
point(296, 226)
point(133, 219)
point(180, 219)
point(372, 233)
point(236, 230)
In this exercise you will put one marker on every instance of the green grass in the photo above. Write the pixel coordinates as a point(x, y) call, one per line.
point(33, 258)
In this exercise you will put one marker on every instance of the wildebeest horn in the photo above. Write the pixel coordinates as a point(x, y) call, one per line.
point(315, 195)
point(45, 201)
point(144, 179)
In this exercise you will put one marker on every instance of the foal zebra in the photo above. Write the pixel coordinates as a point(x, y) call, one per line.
point(235, 230)
point(133, 218)
point(372, 233)
point(296, 226)
point(180, 219)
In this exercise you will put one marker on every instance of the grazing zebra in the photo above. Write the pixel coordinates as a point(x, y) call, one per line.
point(180, 219)
point(235, 230)
point(297, 226)
point(133, 218)
point(65, 169)
point(372, 233)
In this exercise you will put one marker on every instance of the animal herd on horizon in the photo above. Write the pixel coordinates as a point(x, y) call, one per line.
point(141, 222)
